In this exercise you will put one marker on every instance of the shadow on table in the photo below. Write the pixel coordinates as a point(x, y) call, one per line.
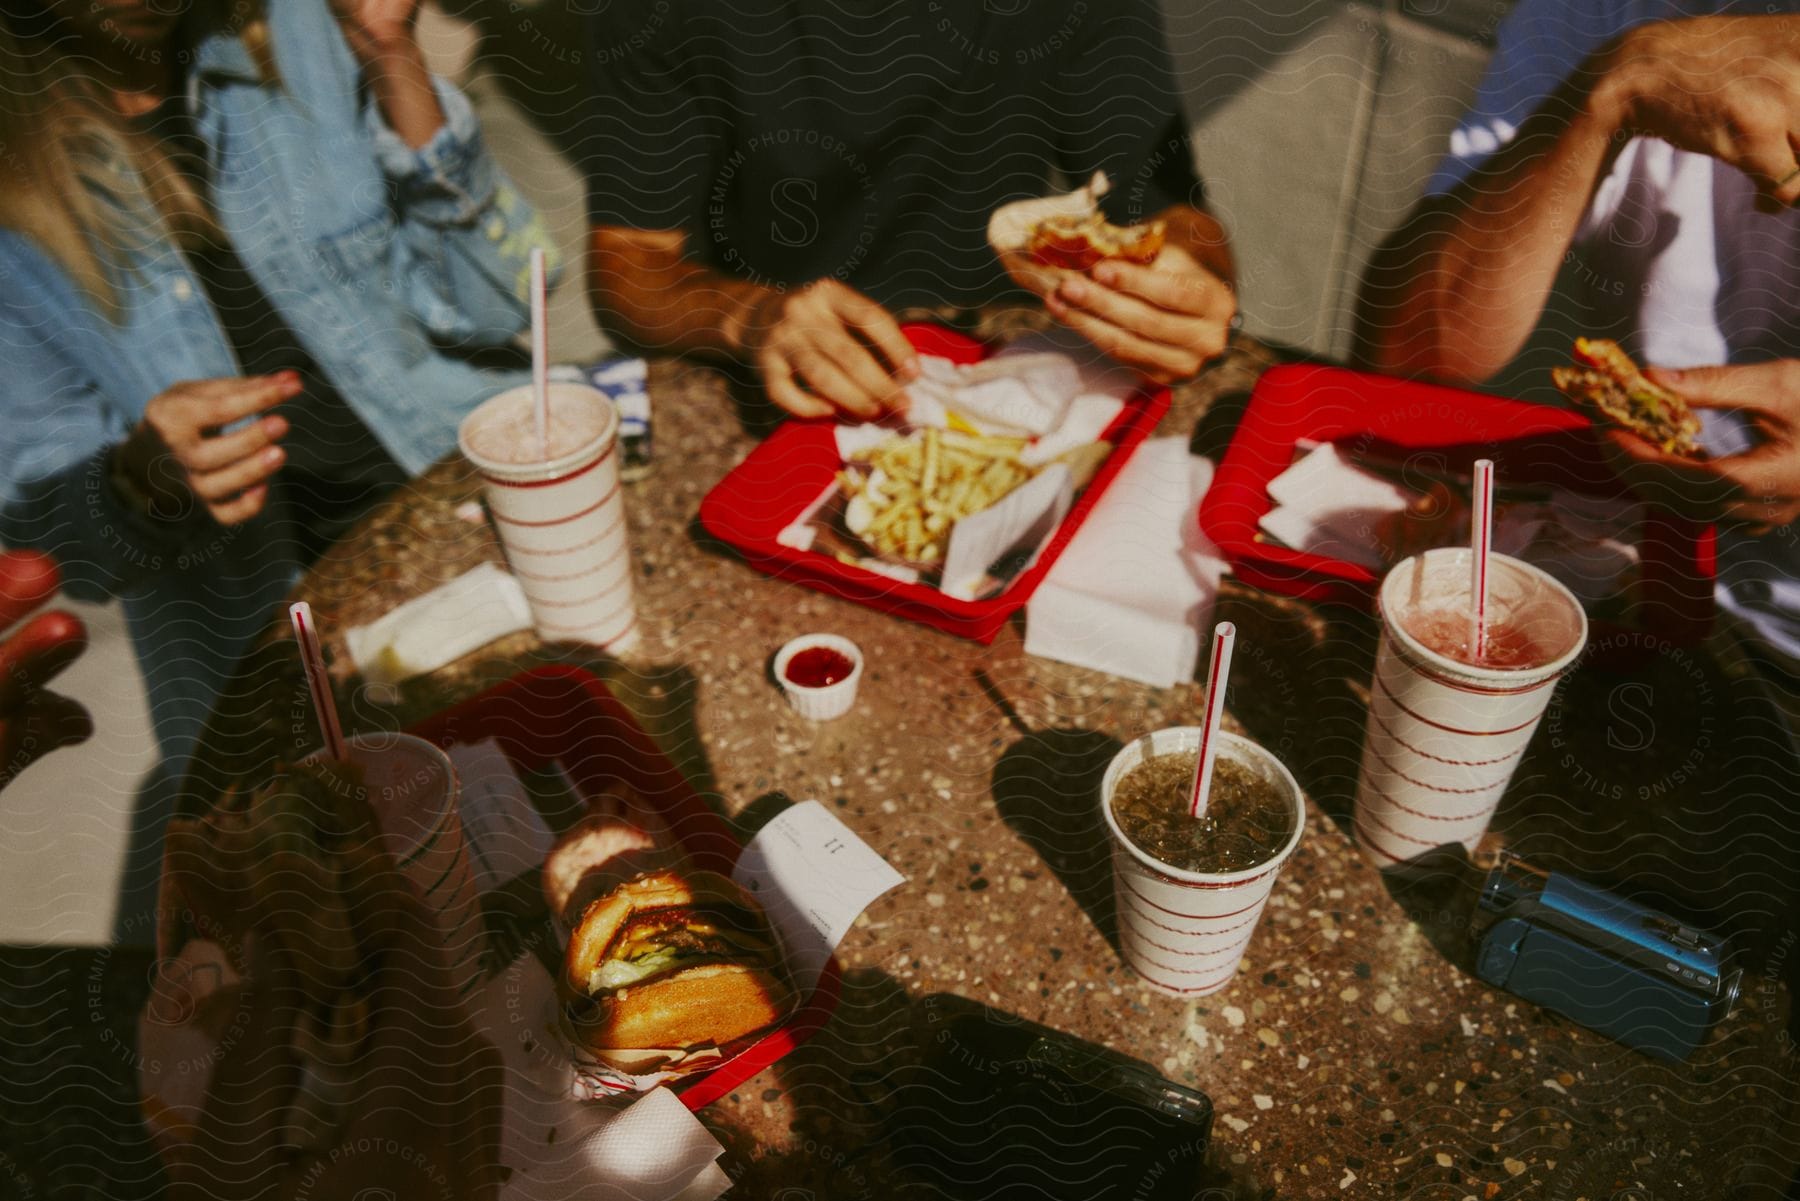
point(1673, 783)
point(1299, 689)
point(1440, 891)
point(1047, 788)
point(249, 740)
point(665, 700)
point(844, 1092)
point(749, 821)
point(69, 1074)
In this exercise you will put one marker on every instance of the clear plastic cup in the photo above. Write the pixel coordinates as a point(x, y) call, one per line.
point(560, 520)
point(1185, 932)
point(1444, 736)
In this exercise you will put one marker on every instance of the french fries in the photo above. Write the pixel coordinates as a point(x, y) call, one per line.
point(906, 494)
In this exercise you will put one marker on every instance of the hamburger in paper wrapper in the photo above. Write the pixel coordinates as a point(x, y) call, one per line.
point(670, 973)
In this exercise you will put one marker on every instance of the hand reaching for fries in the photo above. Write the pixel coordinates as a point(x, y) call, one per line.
point(411, 1093)
point(827, 348)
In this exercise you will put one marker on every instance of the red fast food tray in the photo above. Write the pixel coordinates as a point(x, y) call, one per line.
point(565, 714)
point(1446, 429)
point(757, 499)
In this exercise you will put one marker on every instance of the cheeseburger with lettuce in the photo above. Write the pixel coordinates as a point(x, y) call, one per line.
point(671, 969)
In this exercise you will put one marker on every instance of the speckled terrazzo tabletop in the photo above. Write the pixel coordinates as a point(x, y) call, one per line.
point(1355, 1055)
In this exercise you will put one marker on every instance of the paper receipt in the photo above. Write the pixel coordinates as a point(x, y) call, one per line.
point(813, 876)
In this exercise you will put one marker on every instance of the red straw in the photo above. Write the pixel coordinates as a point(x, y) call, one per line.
point(1481, 535)
point(1224, 637)
point(540, 353)
point(312, 659)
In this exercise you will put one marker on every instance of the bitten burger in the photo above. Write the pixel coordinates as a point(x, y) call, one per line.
point(1610, 385)
point(1070, 232)
point(669, 969)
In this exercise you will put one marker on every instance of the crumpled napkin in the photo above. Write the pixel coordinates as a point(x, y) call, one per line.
point(1133, 590)
point(651, 1148)
point(1326, 504)
point(440, 626)
point(1019, 396)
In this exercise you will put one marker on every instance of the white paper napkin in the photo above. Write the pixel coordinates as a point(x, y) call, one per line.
point(1030, 514)
point(1100, 375)
point(649, 1149)
point(814, 877)
point(440, 626)
point(1089, 417)
point(1133, 589)
point(1326, 505)
point(1020, 395)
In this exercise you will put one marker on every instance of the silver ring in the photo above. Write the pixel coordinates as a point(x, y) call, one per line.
point(1787, 179)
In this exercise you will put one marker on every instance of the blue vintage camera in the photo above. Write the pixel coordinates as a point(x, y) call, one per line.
point(1611, 964)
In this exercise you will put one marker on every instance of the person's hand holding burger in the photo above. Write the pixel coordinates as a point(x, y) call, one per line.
point(1757, 489)
point(1156, 296)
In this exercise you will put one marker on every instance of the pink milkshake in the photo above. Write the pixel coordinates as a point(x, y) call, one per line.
point(560, 518)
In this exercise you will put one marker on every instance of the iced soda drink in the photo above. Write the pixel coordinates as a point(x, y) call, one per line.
point(1447, 727)
point(1184, 929)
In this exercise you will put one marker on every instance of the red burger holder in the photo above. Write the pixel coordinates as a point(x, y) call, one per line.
point(564, 715)
point(759, 497)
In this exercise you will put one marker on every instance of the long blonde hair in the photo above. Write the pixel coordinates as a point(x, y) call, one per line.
point(88, 188)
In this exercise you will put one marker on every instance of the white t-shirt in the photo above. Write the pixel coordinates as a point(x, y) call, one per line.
point(1671, 249)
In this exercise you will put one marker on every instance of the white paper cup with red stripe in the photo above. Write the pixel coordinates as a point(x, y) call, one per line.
point(1185, 932)
point(416, 796)
point(561, 519)
point(1444, 735)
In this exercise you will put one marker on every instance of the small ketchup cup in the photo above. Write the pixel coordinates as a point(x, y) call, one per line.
point(819, 674)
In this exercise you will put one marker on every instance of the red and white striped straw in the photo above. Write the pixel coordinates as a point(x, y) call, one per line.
point(540, 353)
point(1481, 536)
point(312, 660)
point(1224, 638)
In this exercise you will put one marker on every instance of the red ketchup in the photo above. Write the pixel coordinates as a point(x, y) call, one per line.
point(819, 667)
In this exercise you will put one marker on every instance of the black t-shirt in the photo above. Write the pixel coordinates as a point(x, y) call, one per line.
point(869, 140)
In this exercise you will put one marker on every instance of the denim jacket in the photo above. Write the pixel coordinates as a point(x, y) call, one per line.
point(376, 255)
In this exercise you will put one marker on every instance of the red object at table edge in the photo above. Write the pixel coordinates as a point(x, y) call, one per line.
point(1388, 418)
point(787, 471)
point(566, 714)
